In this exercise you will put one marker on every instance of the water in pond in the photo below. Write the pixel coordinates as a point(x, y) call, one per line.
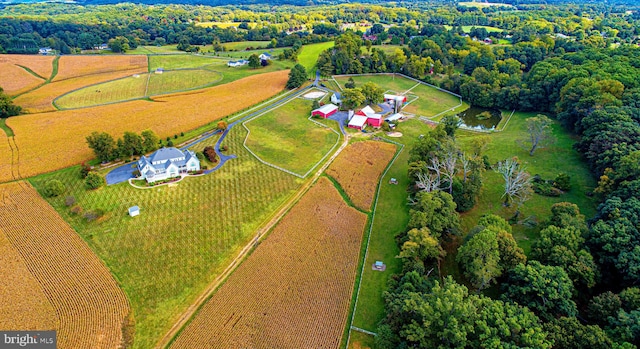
point(474, 118)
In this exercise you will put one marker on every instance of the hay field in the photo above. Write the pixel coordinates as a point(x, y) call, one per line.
point(41, 99)
point(89, 303)
point(41, 65)
point(38, 135)
point(24, 305)
point(294, 290)
point(75, 66)
point(358, 168)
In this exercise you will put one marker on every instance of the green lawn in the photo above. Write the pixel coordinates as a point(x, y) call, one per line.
point(360, 340)
point(274, 52)
point(242, 45)
point(184, 236)
point(467, 28)
point(387, 49)
point(286, 137)
point(430, 101)
point(309, 54)
point(391, 218)
point(138, 87)
point(171, 62)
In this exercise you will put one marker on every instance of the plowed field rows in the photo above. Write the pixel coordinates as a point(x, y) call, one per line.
point(294, 290)
point(358, 168)
point(90, 306)
point(39, 135)
point(74, 66)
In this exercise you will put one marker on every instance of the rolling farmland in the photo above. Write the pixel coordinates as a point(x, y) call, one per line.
point(15, 77)
point(90, 306)
point(41, 65)
point(165, 260)
point(358, 167)
point(37, 135)
point(76, 66)
point(294, 290)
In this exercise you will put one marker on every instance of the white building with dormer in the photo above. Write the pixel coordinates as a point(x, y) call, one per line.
point(167, 163)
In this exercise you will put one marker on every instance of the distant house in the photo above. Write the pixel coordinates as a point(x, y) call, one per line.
point(488, 41)
point(237, 63)
point(370, 37)
point(167, 163)
point(265, 56)
point(134, 211)
point(325, 111)
point(159, 71)
point(45, 50)
point(101, 47)
point(335, 98)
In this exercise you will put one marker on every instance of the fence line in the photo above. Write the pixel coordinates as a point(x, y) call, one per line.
point(363, 331)
point(366, 252)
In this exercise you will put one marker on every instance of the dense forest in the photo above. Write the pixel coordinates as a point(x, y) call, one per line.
point(580, 285)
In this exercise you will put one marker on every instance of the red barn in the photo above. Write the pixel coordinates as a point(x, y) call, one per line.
point(372, 119)
point(325, 111)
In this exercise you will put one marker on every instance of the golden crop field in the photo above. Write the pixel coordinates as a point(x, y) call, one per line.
point(41, 65)
point(294, 290)
point(15, 79)
point(39, 136)
point(75, 66)
point(24, 305)
point(40, 100)
point(358, 168)
point(6, 157)
point(90, 306)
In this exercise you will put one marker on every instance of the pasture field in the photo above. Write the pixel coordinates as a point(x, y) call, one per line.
point(274, 52)
point(430, 101)
point(41, 99)
point(139, 86)
point(184, 61)
point(309, 54)
point(286, 137)
point(91, 308)
point(242, 45)
point(185, 235)
point(294, 290)
point(24, 304)
point(358, 168)
point(387, 49)
point(77, 66)
point(38, 135)
point(15, 79)
point(40, 65)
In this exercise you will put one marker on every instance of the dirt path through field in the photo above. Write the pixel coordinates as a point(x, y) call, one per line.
point(193, 308)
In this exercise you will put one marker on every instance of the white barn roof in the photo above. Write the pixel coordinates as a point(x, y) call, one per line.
point(327, 108)
point(394, 117)
point(358, 121)
point(368, 110)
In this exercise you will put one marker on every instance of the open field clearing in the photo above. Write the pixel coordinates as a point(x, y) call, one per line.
point(242, 45)
point(15, 80)
point(274, 52)
point(41, 99)
point(467, 28)
point(171, 62)
point(309, 55)
point(185, 235)
point(91, 308)
point(76, 66)
point(24, 305)
point(40, 65)
point(286, 137)
point(294, 290)
point(387, 49)
point(138, 86)
point(430, 101)
point(358, 168)
point(38, 135)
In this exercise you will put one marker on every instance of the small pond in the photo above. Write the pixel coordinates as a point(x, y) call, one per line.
point(478, 118)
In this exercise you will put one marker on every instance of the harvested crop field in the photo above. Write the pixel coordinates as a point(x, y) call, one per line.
point(358, 168)
point(38, 135)
point(75, 66)
point(15, 80)
point(41, 65)
point(41, 99)
point(24, 305)
point(294, 290)
point(90, 306)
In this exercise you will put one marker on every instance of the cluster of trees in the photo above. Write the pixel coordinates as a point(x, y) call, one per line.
point(368, 93)
point(107, 149)
point(7, 108)
point(297, 76)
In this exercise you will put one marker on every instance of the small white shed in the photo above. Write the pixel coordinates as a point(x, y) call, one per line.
point(134, 211)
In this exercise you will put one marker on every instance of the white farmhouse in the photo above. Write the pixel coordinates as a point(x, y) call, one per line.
point(265, 56)
point(167, 163)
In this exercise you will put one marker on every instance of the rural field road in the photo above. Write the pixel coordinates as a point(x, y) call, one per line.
point(204, 296)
